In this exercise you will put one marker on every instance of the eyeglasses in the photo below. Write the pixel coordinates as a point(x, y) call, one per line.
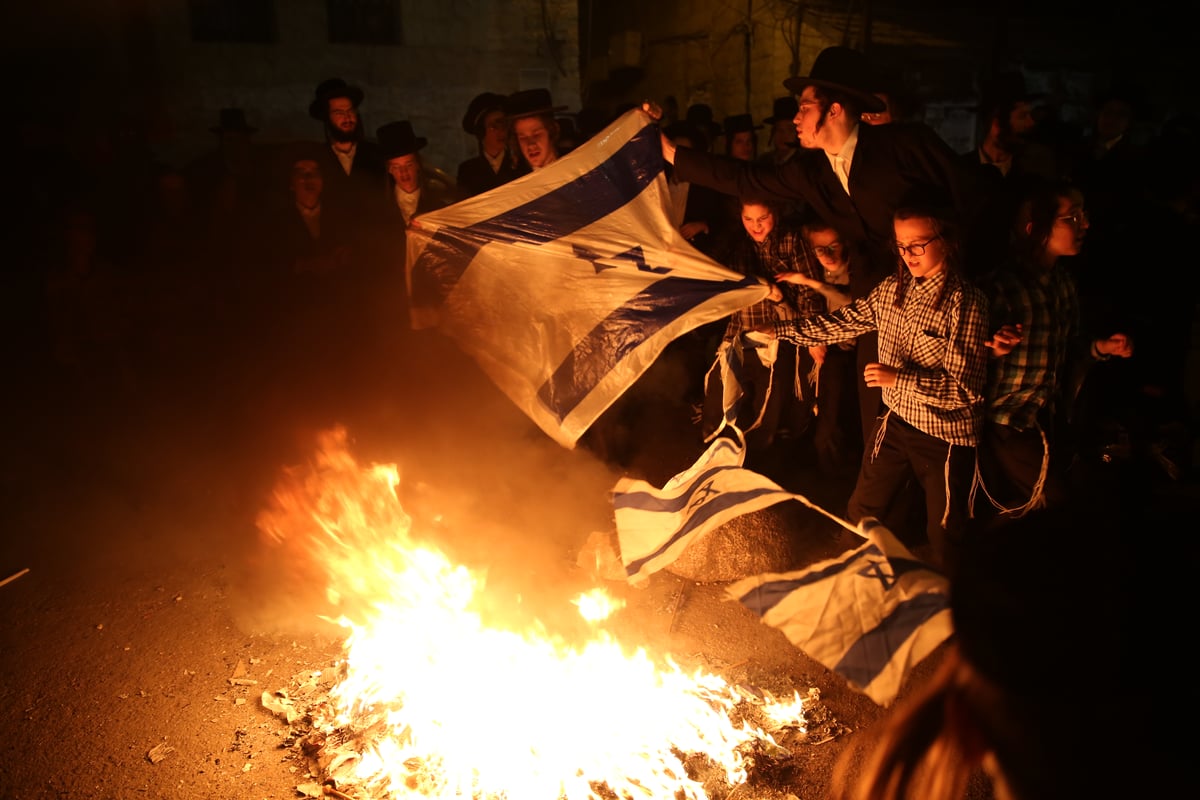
point(828, 251)
point(916, 248)
point(1076, 218)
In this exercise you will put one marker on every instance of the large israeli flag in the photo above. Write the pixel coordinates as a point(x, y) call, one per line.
point(565, 285)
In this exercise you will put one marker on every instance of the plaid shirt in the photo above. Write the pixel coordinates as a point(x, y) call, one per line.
point(939, 353)
point(784, 250)
point(1033, 375)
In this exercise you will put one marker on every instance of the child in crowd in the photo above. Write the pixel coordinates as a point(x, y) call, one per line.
point(932, 370)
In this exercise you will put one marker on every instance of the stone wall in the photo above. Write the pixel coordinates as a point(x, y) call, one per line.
point(450, 51)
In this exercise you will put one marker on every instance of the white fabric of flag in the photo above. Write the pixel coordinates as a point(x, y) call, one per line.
point(566, 284)
point(869, 615)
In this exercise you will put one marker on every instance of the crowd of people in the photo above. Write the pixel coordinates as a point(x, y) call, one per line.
point(973, 339)
point(278, 241)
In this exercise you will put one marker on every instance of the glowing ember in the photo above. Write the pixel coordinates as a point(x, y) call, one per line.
point(433, 702)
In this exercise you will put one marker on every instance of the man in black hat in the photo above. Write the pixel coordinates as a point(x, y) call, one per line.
point(741, 139)
point(411, 189)
point(496, 164)
point(534, 126)
point(1007, 159)
point(351, 165)
point(853, 176)
point(782, 140)
point(701, 116)
point(226, 184)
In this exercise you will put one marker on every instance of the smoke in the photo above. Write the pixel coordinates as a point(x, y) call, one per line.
point(479, 480)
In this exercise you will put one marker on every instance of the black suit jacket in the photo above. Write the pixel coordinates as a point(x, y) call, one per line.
point(475, 175)
point(355, 191)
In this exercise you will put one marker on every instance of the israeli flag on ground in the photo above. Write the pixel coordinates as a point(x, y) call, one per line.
point(869, 615)
point(565, 285)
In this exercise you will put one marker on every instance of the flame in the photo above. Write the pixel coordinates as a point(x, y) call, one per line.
point(440, 704)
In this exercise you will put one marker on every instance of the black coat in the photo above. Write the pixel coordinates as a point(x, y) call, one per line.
point(352, 192)
point(475, 175)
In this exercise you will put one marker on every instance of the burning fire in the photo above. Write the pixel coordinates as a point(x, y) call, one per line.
point(431, 701)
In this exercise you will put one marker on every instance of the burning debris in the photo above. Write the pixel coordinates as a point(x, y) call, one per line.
point(431, 700)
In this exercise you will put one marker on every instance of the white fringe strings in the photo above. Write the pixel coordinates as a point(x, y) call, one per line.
point(879, 434)
point(946, 479)
point(1037, 498)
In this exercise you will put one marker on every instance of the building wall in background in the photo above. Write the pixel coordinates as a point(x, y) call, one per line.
point(449, 51)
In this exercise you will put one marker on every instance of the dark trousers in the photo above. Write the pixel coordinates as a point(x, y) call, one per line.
point(837, 436)
point(905, 453)
point(1010, 463)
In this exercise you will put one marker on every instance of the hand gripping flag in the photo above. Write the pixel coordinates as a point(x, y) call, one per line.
point(869, 615)
point(565, 285)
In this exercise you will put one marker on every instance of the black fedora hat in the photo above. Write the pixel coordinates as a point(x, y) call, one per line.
point(233, 120)
point(842, 69)
point(688, 130)
point(327, 90)
point(530, 102)
point(293, 153)
point(783, 108)
point(737, 123)
point(701, 115)
point(481, 105)
point(397, 139)
point(999, 93)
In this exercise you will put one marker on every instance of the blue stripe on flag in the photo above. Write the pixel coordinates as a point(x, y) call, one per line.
point(869, 656)
point(761, 599)
point(560, 212)
point(619, 334)
point(720, 503)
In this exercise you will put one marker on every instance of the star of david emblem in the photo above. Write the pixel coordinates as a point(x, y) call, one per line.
point(634, 254)
point(880, 571)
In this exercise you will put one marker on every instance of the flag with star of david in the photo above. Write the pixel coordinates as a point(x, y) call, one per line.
point(654, 526)
point(869, 615)
point(565, 285)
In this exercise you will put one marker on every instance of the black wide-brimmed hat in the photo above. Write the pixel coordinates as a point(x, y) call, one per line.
point(529, 103)
point(1000, 93)
point(397, 139)
point(293, 153)
point(233, 120)
point(481, 105)
point(842, 69)
point(327, 90)
point(688, 130)
point(783, 108)
point(701, 115)
point(736, 123)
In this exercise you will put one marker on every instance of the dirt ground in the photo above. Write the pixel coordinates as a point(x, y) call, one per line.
point(153, 616)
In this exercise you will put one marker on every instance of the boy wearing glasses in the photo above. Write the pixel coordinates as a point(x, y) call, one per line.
point(932, 371)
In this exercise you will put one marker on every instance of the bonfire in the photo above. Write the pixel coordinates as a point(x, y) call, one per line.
point(433, 698)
